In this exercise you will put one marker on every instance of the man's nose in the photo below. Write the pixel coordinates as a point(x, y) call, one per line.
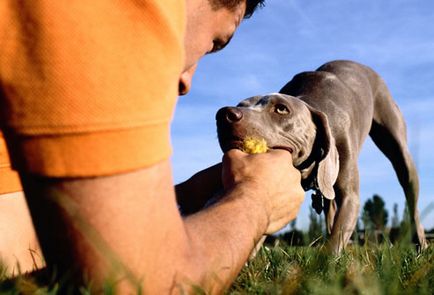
point(185, 80)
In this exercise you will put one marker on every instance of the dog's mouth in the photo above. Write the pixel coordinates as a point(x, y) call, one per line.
point(232, 136)
point(281, 147)
point(236, 142)
point(227, 144)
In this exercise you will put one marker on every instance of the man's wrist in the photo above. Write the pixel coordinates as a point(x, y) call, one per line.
point(247, 195)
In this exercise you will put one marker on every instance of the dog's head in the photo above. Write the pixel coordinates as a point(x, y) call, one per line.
point(285, 122)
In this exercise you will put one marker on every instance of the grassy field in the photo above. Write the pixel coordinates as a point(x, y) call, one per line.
point(282, 269)
point(373, 269)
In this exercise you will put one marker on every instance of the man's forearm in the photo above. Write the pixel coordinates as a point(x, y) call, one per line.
point(263, 193)
point(127, 227)
point(221, 239)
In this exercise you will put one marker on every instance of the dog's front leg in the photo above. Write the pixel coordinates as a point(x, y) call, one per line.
point(330, 214)
point(347, 196)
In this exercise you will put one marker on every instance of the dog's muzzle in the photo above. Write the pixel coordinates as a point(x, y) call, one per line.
point(229, 130)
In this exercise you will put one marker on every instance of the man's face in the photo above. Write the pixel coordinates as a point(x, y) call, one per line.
point(208, 31)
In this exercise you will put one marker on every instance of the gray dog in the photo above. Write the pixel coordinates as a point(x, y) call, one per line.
point(323, 118)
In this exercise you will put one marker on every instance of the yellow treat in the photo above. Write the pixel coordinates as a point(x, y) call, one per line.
point(254, 145)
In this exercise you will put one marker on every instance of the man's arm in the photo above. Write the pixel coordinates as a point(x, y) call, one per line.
point(194, 193)
point(19, 249)
point(127, 227)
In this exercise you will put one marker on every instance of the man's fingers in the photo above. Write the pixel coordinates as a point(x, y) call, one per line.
point(234, 153)
point(280, 152)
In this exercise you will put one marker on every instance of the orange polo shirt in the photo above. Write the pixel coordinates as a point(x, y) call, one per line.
point(87, 88)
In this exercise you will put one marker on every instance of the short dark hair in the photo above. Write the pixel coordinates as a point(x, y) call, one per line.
point(251, 5)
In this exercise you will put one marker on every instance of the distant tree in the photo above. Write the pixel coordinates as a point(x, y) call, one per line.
point(405, 222)
point(405, 226)
point(293, 224)
point(293, 237)
point(358, 227)
point(356, 233)
point(395, 218)
point(316, 226)
point(395, 230)
point(375, 215)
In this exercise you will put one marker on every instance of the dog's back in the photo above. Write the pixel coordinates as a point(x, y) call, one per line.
point(357, 103)
point(345, 91)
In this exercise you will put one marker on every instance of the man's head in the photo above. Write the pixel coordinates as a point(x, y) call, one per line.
point(210, 26)
point(251, 5)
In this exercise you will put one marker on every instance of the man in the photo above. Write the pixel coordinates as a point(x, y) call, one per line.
point(87, 98)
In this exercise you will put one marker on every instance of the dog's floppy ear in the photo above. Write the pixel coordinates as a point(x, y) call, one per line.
point(328, 161)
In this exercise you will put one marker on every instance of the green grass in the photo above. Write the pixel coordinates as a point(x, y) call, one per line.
point(371, 269)
point(374, 269)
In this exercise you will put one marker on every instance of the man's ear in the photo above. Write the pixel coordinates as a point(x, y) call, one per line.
point(328, 161)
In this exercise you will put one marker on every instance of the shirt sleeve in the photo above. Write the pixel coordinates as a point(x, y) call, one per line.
point(88, 88)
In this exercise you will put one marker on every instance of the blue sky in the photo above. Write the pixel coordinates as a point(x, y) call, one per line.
point(395, 38)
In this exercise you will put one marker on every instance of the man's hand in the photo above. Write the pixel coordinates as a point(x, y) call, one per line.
point(273, 178)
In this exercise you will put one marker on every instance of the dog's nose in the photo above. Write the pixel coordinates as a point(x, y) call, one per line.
point(229, 115)
point(233, 115)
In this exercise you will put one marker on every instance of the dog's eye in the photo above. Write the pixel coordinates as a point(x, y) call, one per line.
point(281, 109)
